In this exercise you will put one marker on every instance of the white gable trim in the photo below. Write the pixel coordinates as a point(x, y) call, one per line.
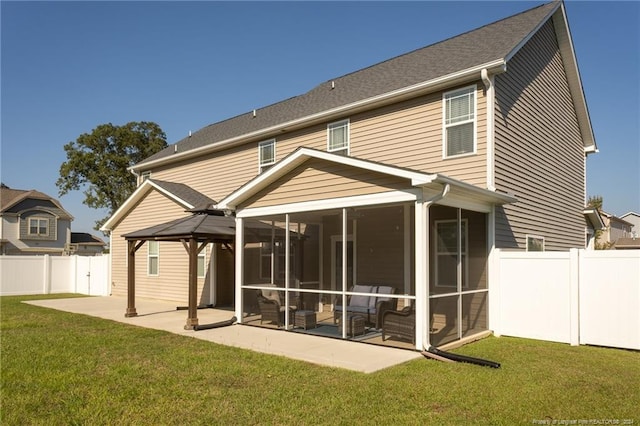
point(474, 195)
point(301, 155)
point(138, 195)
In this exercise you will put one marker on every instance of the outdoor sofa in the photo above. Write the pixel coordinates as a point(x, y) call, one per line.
point(370, 307)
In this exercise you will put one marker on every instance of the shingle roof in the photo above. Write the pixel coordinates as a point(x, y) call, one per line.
point(86, 238)
point(186, 193)
point(11, 197)
point(481, 46)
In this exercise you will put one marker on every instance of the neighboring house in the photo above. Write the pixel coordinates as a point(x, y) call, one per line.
point(407, 174)
point(33, 223)
point(85, 244)
point(634, 219)
point(614, 229)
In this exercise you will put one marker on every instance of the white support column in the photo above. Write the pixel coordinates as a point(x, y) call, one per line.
point(422, 273)
point(407, 248)
point(344, 272)
point(239, 257)
point(287, 268)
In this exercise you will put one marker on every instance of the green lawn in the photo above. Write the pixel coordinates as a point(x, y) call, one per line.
point(62, 368)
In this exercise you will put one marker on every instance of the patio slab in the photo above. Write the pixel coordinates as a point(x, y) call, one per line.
point(162, 315)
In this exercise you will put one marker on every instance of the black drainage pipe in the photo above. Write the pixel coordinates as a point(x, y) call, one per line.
point(184, 308)
point(463, 358)
point(215, 324)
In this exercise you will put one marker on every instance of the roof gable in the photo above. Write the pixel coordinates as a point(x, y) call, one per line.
point(181, 194)
point(302, 155)
point(442, 64)
point(10, 200)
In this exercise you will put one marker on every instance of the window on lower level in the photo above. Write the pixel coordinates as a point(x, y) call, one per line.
point(459, 122)
point(202, 257)
point(266, 154)
point(535, 243)
point(153, 258)
point(450, 246)
point(338, 137)
point(39, 226)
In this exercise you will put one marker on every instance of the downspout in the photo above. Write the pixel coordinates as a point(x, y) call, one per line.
point(137, 175)
point(426, 273)
point(490, 99)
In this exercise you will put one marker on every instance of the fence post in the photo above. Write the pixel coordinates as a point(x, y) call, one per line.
point(574, 297)
point(46, 275)
point(495, 308)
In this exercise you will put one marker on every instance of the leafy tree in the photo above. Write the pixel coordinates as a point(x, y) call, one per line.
point(99, 162)
point(595, 201)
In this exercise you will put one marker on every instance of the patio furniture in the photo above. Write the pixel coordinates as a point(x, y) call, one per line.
point(355, 325)
point(400, 324)
point(271, 307)
point(371, 307)
point(305, 319)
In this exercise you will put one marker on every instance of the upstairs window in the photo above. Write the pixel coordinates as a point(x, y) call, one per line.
point(39, 226)
point(266, 154)
point(459, 122)
point(338, 137)
point(153, 258)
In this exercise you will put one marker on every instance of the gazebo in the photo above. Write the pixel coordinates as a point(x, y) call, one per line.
point(202, 227)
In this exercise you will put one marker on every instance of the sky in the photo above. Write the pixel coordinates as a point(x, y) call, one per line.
point(67, 67)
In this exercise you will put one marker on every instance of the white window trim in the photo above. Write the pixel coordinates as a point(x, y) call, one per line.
point(474, 89)
point(262, 165)
point(203, 255)
point(38, 234)
point(150, 256)
point(465, 271)
point(335, 124)
point(537, 237)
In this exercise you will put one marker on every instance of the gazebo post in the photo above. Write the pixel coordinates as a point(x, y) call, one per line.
point(131, 279)
point(192, 320)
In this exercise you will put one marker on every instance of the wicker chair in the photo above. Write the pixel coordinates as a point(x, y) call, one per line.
point(271, 308)
point(400, 324)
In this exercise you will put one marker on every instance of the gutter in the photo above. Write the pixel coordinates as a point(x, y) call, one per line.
point(496, 66)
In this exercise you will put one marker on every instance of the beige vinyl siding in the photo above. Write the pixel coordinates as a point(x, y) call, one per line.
point(538, 149)
point(410, 134)
point(172, 281)
point(319, 180)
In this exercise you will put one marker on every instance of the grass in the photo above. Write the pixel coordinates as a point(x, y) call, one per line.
point(63, 368)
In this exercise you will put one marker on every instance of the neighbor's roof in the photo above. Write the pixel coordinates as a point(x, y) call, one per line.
point(86, 238)
point(11, 197)
point(490, 46)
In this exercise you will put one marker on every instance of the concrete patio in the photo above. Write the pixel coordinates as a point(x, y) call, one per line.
point(162, 315)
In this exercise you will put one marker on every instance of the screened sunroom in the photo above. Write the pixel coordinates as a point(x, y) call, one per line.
point(401, 261)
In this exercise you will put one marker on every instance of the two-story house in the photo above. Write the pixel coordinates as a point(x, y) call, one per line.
point(33, 223)
point(401, 178)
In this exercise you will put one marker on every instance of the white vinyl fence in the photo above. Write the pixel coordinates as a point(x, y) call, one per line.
point(576, 297)
point(55, 274)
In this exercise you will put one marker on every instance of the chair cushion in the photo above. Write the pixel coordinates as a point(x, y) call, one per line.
point(272, 295)
point(361, 300)
point(381, 290)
